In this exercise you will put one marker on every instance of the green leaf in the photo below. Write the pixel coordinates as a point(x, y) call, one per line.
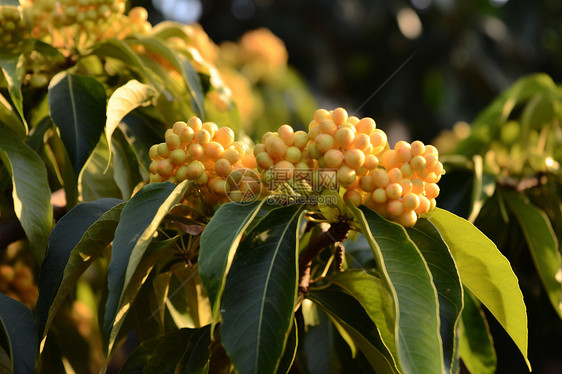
point(218, 245)
point(140, 219)
point(12, 65)
point(141, 135)
point(486, 273)
point(19, 325)
point(123, 100)
point(542, 242)
point(184, 348)
point(409, 279)
point(260, 293)
point(10, 119)
point(30, 190)
point(476, 347)
point(77, 107)
point(348, 312)
point(290, 351)
point(377, 302)
point(78, 238)
point(447, 282)
point(121, 51)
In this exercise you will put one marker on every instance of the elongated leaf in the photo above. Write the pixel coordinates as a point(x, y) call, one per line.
point(290, 351)
point(123, 100)
point(119, 50)
point(77, 107)
point(140, 134)
point(377, 302)
point(12, 66)
point(184, 348)
point(486, 273)
point(10, 119)
point(347, 311)
point(97, 180)
point(542, 243)
point(218, 245)
point(18, 321)
point(30, 190)
point(139, 221)
point(409, 279)
point(447, 282)
point(77, 240)
point(476, 347)
point(260, 293)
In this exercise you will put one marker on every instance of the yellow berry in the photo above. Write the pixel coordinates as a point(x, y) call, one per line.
point(313, 133)
point(403, 152)
point(418, 163)
point(333, 158)
point(380, 178)
point(249, 161)
point(283, 171)
point(293, 154)
point(153, 168)
point(222, 167)
point(202, 136)
point(354, 196)
point(211, 128)
point(313, 151)
point(324, 142)
point(339, 116)
point(408, 218)
point(153, 152)
point(406, 170)
point(424, 205)
point(379, 196)
point(264, 160)
point(231, 155)
point(394, 175)
point(300, 139)
point(366, 126)
point(431, 190)
point(213, 150)
point(362, 141)
point(437, 168)
point(321, 114)
point(431, 159)
point(418, 148)
point(165, 168)
point(286, 133)
point(411, 201)
point(432, 204)
point(187, 135)
point(354, 158)
point(196, 151)
point(179, 127)
point(406, 186)
point(346, 175)
point(162, 150)
point(328, 126)
point(418, 186)
point(259, 148)
point(276, 147)
point(224, 136)
point(371, 162)
point(178, 156)
point(194, 170)
point(367, 184)
point(344, 137)
point(181, 173)
point(393, 191)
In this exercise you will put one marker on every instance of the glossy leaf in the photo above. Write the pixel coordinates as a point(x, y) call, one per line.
point(119, 50)
point(409, 279)
point(447, 282)
point(139, 221)
point(141, 135)
point(348, 312)
point(30, 190)
point(542, 243)
point(77, 107)
point(10, 119)
point(78, 238)
point(486, 273)
point(377, 302)
point(12, 66)
point(19, 325)
point(476, 347)
point(260, 293)
point(218, 245)
point(124, 99)
point(290, 351)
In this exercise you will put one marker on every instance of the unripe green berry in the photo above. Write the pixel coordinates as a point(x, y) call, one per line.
point(178, 156)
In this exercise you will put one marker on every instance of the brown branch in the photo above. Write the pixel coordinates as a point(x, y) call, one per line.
point(335, 234)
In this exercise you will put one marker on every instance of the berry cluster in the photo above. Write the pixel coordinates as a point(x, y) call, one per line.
point(12, 26)
point(17, 282)
point(205, 154)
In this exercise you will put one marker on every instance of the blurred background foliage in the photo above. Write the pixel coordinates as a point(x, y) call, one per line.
point(451, 58)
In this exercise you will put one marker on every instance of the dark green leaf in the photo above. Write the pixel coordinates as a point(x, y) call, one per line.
point(18, 321)
point(12, 65)
point(30, 190)
point(476, 347)
point(97, 180)
point(447, 282)
point(290, 351)
point(542, 243)
point(219, 242)
point(141, 135)
point(347, 311)
point(409, 279)
point(196, 357)
point(140, 219)
point(77, 107)
point(486, 273)
point(10, 119)
point(78, 238)
point(121, 51)
point(260, 293)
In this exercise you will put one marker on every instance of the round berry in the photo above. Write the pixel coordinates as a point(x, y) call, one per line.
point(196, 151)
point(418, 148)
point(264, 160)
point(408, 218)
point(162, 150)
point(393, 191)
point(411, 201)
point(366, 126)
point(354, 196)
point(371, 162)
point(300, 139)
point(346, 175)
point(344, 137)
point(165, 168)
point(178, 156)
point(202, 136)
point(328, 126)
point(424, 205)
point(333, 158)
point(321, 114)
point(380, 178)
point(195, 169)
point(293, 154)
point(431, 190)
point(224, 136)
point(213, 150)
point(339, 116)
point(354, 158)
point(276, 147)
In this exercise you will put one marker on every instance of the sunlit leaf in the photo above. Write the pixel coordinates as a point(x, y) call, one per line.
point(260, 293)
point(348, 312)
point(12, 65)
point(77, 107)
point(10, 119)
point(476, 347)
point(30, 190)
point(409, 279)
point(78, 238)
point(486, 273)
point(447, 282)
point(19, 325)
point(139, 221)
point(218, 244)
point(123, 100)
point(542, 243)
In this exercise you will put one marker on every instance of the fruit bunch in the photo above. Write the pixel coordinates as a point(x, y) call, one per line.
point(17, 282)
point(398, 183)
point(205, 154)
point(12, 26)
